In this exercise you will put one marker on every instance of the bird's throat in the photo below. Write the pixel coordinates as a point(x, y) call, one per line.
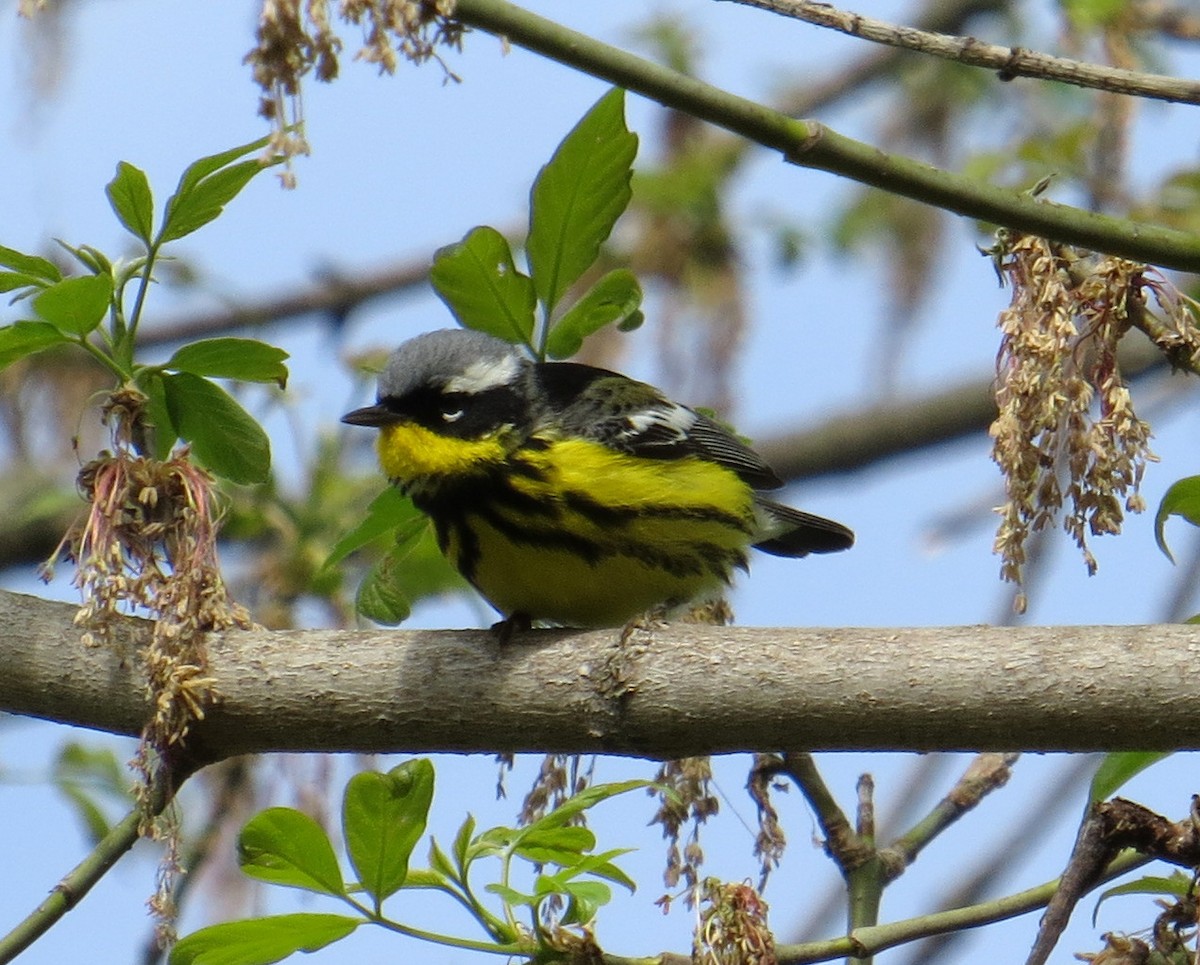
point(409, 452)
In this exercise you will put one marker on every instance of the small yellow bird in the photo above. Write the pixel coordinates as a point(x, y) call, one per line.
point(571, 494)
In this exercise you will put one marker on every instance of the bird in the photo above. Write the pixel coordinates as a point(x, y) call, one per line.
point(569, 494)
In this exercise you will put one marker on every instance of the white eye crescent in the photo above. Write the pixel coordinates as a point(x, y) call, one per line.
point(452, 415)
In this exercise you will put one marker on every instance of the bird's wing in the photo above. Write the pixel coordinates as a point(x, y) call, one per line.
point(634, 417)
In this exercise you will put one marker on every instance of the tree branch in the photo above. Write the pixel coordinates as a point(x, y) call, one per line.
point(863, 942)
point(811, 144)
point(671, 692)
point(1009, 61)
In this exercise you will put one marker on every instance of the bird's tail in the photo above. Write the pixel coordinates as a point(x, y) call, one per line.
point(793, 532)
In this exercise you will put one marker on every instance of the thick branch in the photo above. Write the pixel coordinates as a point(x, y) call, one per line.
point(1010, 62)
point(810, 144)
point(669, 692)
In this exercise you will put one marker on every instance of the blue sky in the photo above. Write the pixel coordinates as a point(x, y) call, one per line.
point(406, 164)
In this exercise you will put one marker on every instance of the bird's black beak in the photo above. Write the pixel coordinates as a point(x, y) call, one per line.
point(371, 415)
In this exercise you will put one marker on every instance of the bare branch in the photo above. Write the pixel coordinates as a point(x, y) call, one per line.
point(1010, 62)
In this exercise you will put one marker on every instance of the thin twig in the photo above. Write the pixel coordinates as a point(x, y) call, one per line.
point(79, 881)
point(864, 942)
point(1010, 62)
point(986, 773)
point(1053, 799)
point(938, 16)
point(841, 843)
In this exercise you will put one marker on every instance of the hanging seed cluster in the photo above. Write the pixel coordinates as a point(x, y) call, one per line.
point(733, 927)
point(297, 37)
point(148, 545)
point(1067, 438)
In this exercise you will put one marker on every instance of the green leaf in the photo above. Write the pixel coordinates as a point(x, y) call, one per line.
point(482, 287)
point(287, 847)
point(557, 845)
point(510, 896)
point(34, 265)
point(1093, 14)
point(25, 338)
point(95, 822)
point(246, 359)
point(132, 200)
point(617, 297)
point(157, 414)
point(75, 305)
point(585, 899)
point(383, 817)
point(206, 201)
point(13, 280)
point(206, 187)
point(261, 941)
point(427, 878)
point(412, 569)
point(462, 841)
point(587, 798)
point(1117, 768)
point(601, 866)
point(578, 197)
point(1178, 885)
point(1182, 499)
point(380, 597)
point(98, 766)
point(439, 863)
point(203, 167)
point(491, 842)
point(224, 436)
point(93, 259)
point(388, 511)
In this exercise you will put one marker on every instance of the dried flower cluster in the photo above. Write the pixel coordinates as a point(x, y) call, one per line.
point(1066, 433)
point(690, 801)
point(560, 777)
point(148, 546)
point(295, 38)
point(733, 927)
point(770, 842)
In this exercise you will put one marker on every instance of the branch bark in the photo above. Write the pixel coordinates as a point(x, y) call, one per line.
point(811, 144)
point(665, 692)
point(1009, 62)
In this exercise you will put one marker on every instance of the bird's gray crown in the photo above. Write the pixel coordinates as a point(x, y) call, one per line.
point(456, 360)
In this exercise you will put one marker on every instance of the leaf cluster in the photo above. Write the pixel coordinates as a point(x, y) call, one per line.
point(101, 309)
point(384, 816)
point(576, 200)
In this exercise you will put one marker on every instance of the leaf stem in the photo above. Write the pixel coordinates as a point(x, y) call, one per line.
point(437, 938)
point(135, 316)
point(811, 144)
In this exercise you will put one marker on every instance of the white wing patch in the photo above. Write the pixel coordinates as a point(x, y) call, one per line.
point(669, 423)
point(485, 374)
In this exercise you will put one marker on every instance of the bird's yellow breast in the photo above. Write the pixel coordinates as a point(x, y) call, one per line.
point(408, 451)
point(613, 534)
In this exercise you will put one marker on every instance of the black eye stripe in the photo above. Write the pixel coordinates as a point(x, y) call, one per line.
point(464, 415)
